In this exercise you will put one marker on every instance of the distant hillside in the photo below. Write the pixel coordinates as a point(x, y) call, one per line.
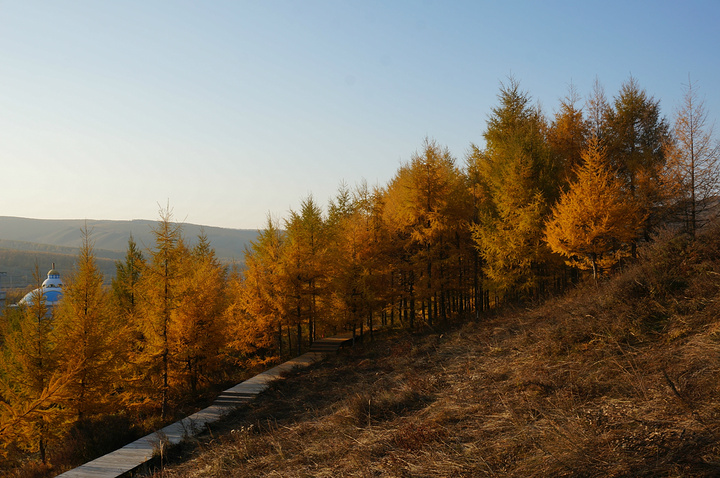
point(19, 266)
point(24, 241)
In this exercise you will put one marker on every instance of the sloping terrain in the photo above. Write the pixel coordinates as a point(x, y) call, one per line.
point(619, 379)
point(24, 241)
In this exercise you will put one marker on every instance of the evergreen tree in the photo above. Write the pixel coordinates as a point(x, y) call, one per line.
point(127, 278)
point(637, 139)
point(520, 178)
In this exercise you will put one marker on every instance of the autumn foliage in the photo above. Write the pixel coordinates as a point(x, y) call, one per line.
point(594, 222)
point(543, 200)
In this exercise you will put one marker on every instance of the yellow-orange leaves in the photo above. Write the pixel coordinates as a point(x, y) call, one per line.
point(596, 218)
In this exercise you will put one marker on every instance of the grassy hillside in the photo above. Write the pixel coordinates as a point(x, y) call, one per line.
point(619, 379)
point(24, 241)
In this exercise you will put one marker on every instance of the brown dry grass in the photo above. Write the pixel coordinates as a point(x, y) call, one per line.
point(616, 380)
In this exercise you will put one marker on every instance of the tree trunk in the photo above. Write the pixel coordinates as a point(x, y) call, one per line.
point(41, 446)
point(593, 258)
point(370, 325)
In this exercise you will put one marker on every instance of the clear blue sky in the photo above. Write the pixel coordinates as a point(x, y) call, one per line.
point(233, 109)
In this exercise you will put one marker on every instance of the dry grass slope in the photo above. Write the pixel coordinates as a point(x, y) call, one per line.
point(616, 380)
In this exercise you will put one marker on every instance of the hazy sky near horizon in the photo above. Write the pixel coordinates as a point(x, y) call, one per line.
point(230, 110)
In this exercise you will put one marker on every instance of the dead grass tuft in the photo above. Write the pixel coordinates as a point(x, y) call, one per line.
point(368, 408)
point(416, 437)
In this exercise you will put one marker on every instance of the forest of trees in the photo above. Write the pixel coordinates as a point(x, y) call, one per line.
point(545, 198)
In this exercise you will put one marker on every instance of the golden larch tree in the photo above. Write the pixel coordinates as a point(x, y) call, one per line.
point(350, 263)
point(567, 135)
point(160, 289)
point(256, 310)
point(596, 218)
point(197, 334)
point(33, 384)
point(304, 264)
point(89, 335)
point(426, 205)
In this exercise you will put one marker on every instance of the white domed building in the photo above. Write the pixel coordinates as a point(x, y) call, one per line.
point(51, 289)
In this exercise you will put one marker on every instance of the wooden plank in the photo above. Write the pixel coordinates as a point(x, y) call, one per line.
point(139, 452)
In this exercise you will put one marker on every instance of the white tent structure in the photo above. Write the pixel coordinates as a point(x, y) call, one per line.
point(51, 289)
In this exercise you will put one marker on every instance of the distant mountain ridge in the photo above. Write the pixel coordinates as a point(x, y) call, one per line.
point(24, 241)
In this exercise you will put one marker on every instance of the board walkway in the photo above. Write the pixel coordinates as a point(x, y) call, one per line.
point(135, 455)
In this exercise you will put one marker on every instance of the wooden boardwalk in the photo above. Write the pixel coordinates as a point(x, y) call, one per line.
point(135, 455)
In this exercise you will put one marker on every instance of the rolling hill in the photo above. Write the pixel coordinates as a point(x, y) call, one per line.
point(25, 242)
